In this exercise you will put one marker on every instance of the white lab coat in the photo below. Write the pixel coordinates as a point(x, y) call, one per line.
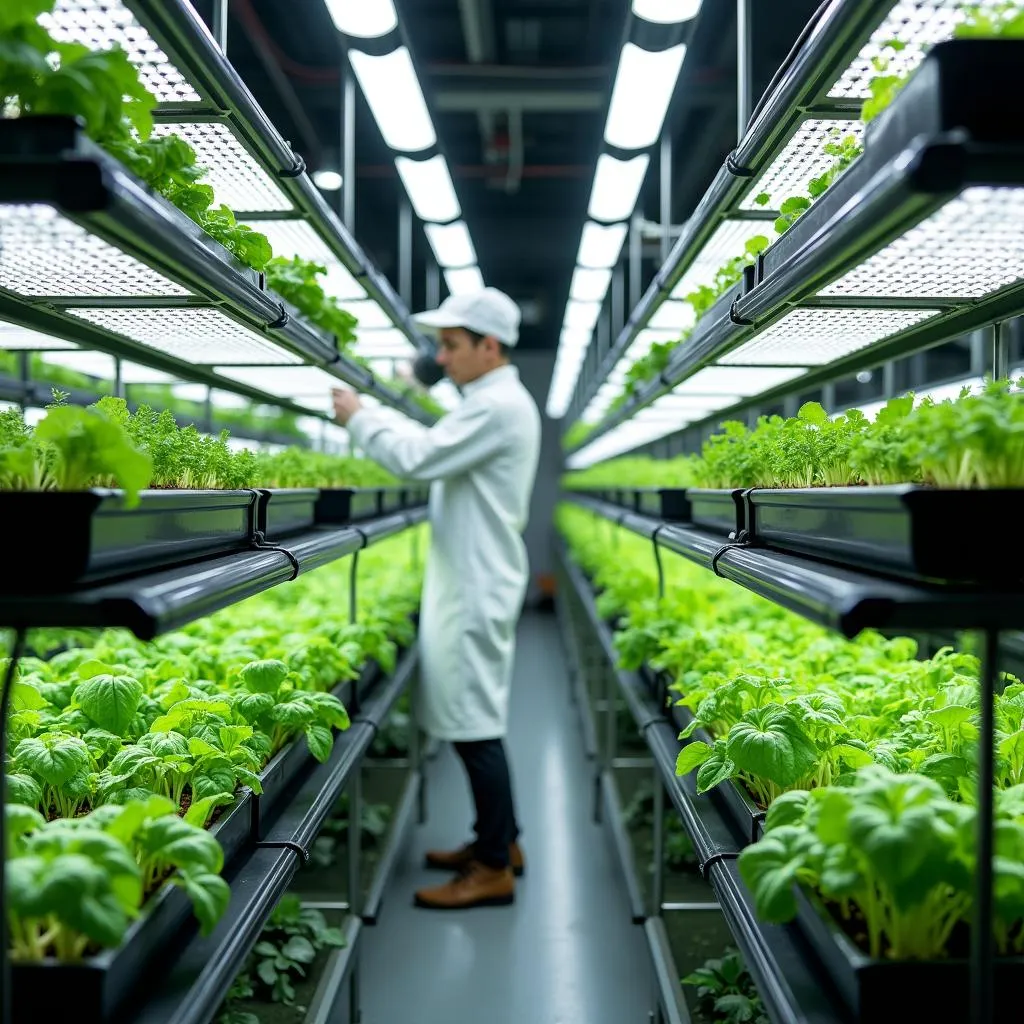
point(482, 459)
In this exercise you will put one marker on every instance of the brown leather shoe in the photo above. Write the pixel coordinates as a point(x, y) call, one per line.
point(475, 886)
point(456, 860)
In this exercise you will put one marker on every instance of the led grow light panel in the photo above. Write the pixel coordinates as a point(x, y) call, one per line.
point(234, 174)
point(369, 315)
point(101, 365)
point(736, 381)
point(307, 385)
point(816, 337)
point(14, 338)
point(727, 241)
point(918, 25)
point(100, 24)
point(383, 344)
point(802, 159)
point(43, 253)
point(970, 247)
point(200, 336)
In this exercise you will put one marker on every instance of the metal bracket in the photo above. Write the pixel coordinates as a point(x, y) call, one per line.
point(738, 320)
point(741, 541)
point(717, 858)
point(735, 169)
point(296, 170)
point(287, 844)
point(281, 321)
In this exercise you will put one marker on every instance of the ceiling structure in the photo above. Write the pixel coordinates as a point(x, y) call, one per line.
point(518, 91)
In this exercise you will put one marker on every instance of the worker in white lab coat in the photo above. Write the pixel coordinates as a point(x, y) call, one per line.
point(482, 461)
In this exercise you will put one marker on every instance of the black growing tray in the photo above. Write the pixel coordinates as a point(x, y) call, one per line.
point(286, 510)
point(94, 990)
point(719, 510)
point(71, 537)
point(894, 991)
point(923, 533)
point(416, 496)
point(669, 503)
point(337, 506)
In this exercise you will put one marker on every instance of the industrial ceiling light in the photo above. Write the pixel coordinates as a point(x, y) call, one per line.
point(582, 315)
point(329, 181)
point(643, 88)
point(393, 92)
point(589, 285)
point(451, 244)
point(600, 246)
point(365, 19)
point(430, 188)
point(617, 185)
point(369, 314)
point(466, 279)
point(666, 12)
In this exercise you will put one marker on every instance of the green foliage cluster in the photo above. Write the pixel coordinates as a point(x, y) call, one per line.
point(108, 734)
point(633, 471)
point(885, 742)
point(638, 815)
point(300, 467)
point(296, 280)
point(373, 827)
point(289, 943)
point(725, 991)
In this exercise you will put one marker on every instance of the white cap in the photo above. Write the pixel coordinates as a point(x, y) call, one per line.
point(487, 312)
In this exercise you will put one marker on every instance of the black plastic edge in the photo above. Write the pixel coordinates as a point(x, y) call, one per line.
point(612, 818)
point(376, 709)
point(323, 1006)
point(401, 828)
point(777, 957)
point(196, 982)
point(666, 974)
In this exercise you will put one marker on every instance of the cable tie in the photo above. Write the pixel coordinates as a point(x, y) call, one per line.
point(735, 169)
point(716, 858)
point(287, 844)
point(296, 170)
point(738, 320)
point(741, 541)
point(281, 321)
point(259, 543)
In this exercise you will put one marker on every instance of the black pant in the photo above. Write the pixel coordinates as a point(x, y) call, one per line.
point(489, 779)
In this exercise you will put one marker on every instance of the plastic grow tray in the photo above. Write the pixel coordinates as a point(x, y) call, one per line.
point(901, 530)
point(337, 506)
point(392, 499)
point(719, 510)
point(94, 990)
point(71, 537)
point(880, 991)
point(286, 510)
point(669, 503)
point(415, 497)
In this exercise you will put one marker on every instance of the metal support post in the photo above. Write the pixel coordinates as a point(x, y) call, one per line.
point(1000, 351)
point(982, 942)
point(744, 67)
point(405, 252)
point(348, 148)
point(118, 379)
point(355, 1010)
point(220, 24)
point(635, 261)
point(665, 184)
point(828, 397)
point(889, 380)
point(25, 375)
point(208, 410)
point(353, 618)
point(355, 815)
point(658, 881)
point(978, 358)
point(433, 284)
point(618, 300)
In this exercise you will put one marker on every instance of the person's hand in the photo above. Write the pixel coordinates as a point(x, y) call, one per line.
point(346, 405)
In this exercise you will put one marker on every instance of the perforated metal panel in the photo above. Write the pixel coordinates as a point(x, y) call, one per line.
point(814, 337)
point(918, 25)
point(802, 159)
point(44, 253)
point(235, 176)
point(100, 24)
point(972, 246)
point(201, 336)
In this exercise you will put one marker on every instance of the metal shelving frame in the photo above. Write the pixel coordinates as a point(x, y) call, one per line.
point(875, 202)
point(846, 602)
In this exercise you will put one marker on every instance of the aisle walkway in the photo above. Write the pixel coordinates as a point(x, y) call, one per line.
point(566, 953)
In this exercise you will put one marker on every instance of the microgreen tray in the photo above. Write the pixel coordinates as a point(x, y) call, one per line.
point(883, 991)
point(287, 510)
point(719, 510)
point(72, 537)
point(337, 506)
point(667, 503)
point(93, 991)
point(923, 533)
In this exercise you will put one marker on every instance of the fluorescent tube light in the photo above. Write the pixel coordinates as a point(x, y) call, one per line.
point(329, 181)
point(589, 285)
point(466, 279)
point(666, 12)
point(430, 188)
point(582, 315)
point(617, 185)
point(600, 246)
point(643, 89)
point(363, 18)
point(393, 92)
point(451, 244)
point(574, 339)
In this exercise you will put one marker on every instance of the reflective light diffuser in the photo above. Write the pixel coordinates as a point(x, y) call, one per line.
point(643, 88)
point(814, 337)
point(44, 253)
point(393, 93)
point(970, 247)
point(236, 177)
point(200, 336)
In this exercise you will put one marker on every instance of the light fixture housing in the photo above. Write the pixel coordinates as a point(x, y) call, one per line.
point(644, 84)
point(451, 244)
point(393, 93)
point(429, 187)
point(464, 280)
point(666, 12)
point(364, 19)
point(617, 185)
point(582, 315)
point(589, 285)
point(600, 245)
